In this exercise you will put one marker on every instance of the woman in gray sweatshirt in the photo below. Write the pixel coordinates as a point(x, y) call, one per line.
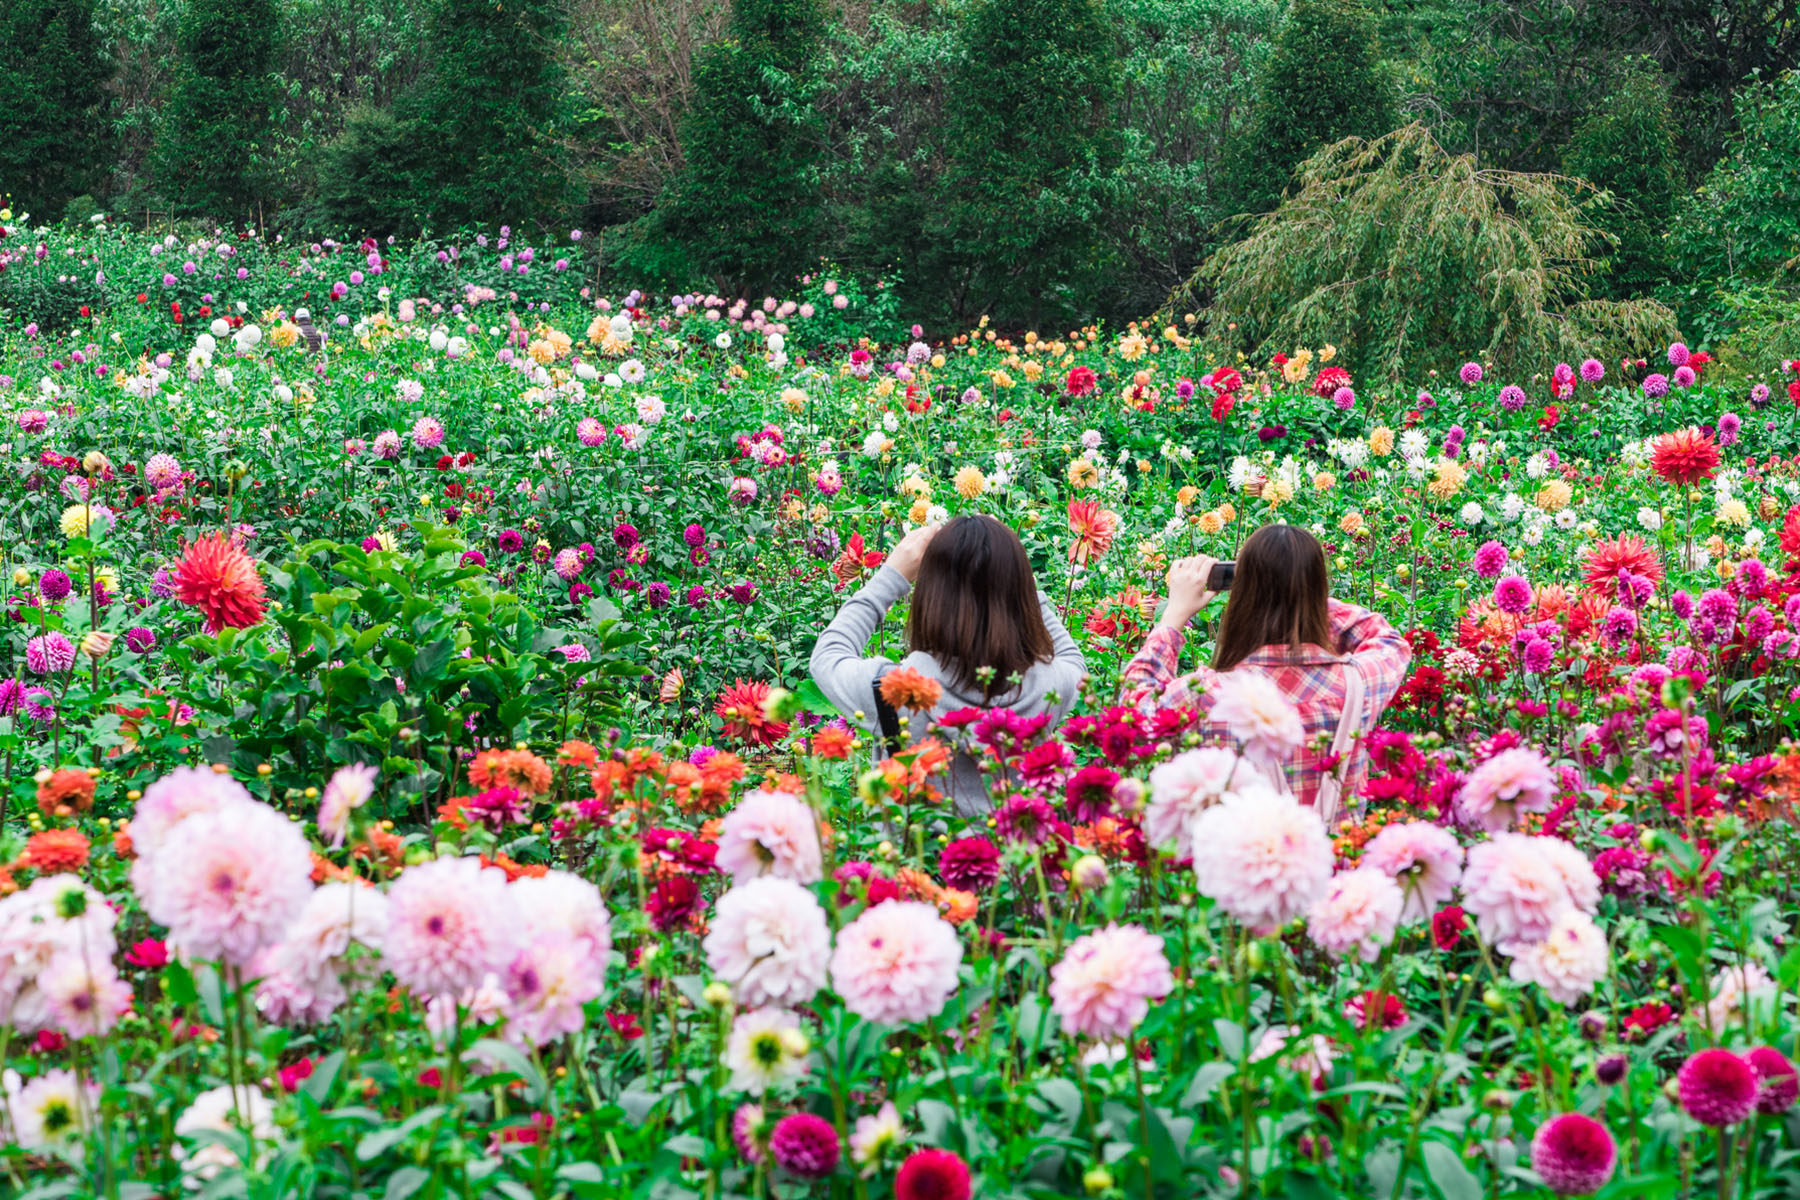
point(979, 626)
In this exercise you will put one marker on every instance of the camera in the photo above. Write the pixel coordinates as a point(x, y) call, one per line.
point(1220, 577)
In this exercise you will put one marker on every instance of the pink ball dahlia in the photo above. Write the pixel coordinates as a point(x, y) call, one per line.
point(770, 833)
point(560, 902)
point(1426, 861)
point(932, 1175)
point(1106, 981)
point(1263, 856)
point(1507, 785)
point(547, 984)
point(1777, 1086)
point(1258, 713)
point(770, 942)
point(896, 963)
point(1357, 914)
point(450, 923)
point(1573, 1154)
point(1516, 886)
point(1568, 962)
point(1717, 1088)
point(1186, 786)
point(805, 1145)
point(231, 882)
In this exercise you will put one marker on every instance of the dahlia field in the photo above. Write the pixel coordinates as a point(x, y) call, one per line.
point(413, 786)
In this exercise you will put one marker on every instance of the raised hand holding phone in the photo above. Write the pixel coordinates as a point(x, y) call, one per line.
point(1190, 589)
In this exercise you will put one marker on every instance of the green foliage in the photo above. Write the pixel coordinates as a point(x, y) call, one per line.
point(1421, 256)
point(485, 115)
point(1626, 147)
point(1319, 84)
point(745, 209)
point(375, 177)
point(1742, 226)
point(51, 128)
point(1030, 154)
point(217, 120)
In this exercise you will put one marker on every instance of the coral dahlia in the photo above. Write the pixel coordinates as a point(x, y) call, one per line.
point(1685, 456)
point(219, 578)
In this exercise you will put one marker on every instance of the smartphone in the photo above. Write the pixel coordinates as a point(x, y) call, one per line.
point(1219, 579)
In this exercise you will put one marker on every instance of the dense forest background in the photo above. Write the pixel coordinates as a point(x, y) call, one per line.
point(1040, 160)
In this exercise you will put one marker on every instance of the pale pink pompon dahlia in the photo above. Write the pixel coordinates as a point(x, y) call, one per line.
point(1516, 886)
point(896, 963)
point(1262, 856)
point(450, 924)
point(1106, 981)
point(1426, 861)
point(1357, 914)
point(770, 942)
point(770, 833)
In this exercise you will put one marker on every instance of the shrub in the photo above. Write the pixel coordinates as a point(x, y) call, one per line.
point(216, 120)
point(1626, 146)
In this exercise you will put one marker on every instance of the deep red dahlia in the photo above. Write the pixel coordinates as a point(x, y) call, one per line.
point(1685, 456)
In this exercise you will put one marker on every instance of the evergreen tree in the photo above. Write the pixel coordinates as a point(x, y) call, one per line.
point(745, 207)
point(485, 113)
point(1321, 85)
point(1627, 147)
point(217, 119)
point(1030, 155)
point(50, 118)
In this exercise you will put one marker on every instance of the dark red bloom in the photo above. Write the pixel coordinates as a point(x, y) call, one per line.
point(932, 1175)
point(1447, 926)
point(970, 864)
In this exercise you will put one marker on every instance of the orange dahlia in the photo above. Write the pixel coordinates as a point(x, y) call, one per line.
point(217, 577)
point(1094, 529)
point(519, 769)
point(741, 706)
point(1627, 552)
point(65, 792)
point(905, 687)
point(55, 851)
point(1685, 456)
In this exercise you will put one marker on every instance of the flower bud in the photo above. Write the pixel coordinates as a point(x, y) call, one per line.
point(1090, 873)
point(95, 643)
point(717, 994)
point(1097, 1180)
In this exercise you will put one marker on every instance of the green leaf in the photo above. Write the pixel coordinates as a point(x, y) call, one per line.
point(814, 700)
point(1206, 1081)
point(1452, 1179)
point(406, 1181)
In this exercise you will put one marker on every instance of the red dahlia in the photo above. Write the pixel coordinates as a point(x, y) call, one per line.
point(1685, 456)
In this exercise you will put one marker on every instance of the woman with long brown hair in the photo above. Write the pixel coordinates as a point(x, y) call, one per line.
point(979, 627)
point(1336, 663)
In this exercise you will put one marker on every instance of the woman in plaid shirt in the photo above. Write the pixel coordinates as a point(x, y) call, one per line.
point(1281, 621)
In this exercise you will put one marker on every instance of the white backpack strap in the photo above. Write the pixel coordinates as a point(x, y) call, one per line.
point(1343, 745)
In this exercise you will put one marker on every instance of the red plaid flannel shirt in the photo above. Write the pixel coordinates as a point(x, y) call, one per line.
point(1314, 681)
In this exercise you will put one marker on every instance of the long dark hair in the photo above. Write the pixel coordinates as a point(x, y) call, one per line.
point(1279, 596)
point(975, 605)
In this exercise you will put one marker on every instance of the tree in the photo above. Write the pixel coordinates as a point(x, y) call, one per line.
point(1742, 227)
point(1029, 155)
point(217, 119)
point(1415, 257)
point(485, 112)
point(745, 207)
point(1320, 85)
point(50, 121)
point(1626, 147)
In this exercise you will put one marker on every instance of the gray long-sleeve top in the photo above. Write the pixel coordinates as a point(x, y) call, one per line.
point(844, 672)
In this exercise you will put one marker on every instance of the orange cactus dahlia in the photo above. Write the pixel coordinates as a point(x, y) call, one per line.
point(217, 577)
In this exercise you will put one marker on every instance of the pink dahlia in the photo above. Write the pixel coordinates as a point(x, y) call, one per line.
point(896, 963)
point(932, 1175)
point(231, 883)
point(1357, 914)
point(770, 833)
point(83, 993)
point(1777, 1086)
point(1258, 713)
point(769, 940)
point(970, 864)
point(1500, 790)
point(1573, 1154)
point(1426, 861)
point(804, 1144)
point(349, 789)
point(1186, 786)
point(1568, 962)
point(1106, 981)
point(1262, 856)
point(547, 984)
point(450, 923)
point(1516, 886)
point(1717, 1088)
point(559, 902)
